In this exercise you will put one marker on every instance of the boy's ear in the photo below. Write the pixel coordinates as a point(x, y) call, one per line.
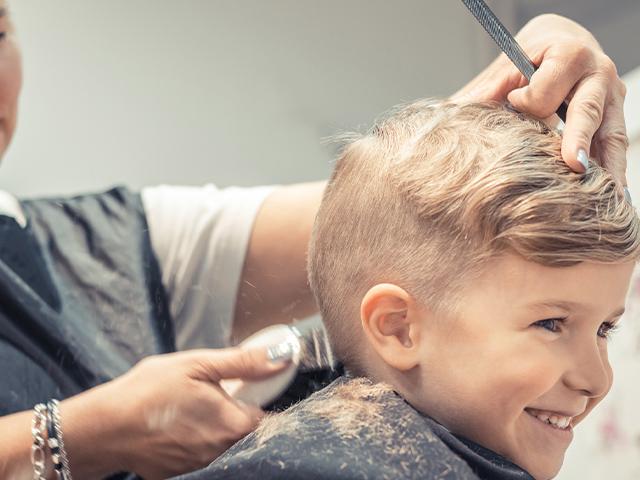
point(391, 322)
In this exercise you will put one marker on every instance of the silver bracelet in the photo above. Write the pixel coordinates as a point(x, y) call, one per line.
point(56, 442)
point(39, 432)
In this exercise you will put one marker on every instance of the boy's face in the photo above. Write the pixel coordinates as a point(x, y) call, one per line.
point(528, 342)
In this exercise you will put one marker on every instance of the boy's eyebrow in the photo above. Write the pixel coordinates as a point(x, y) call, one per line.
point(569, 306)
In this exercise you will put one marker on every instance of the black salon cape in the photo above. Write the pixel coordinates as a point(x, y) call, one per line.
point(396, 443)
point(81, 298)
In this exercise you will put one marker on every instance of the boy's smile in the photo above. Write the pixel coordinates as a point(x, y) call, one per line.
point(562, 433)
point(524, 358)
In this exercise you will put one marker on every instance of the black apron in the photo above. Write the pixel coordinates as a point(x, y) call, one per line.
point(392, 441)
point(81, 297)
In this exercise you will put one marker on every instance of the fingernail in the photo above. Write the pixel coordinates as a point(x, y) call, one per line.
point(281, 352)
point(627, 195)
point(583, 159)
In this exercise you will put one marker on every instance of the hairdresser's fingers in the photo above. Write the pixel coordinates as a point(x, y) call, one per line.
point(214, 365)
point(584, 117)
point(552, 83)
point(238, 418)
point(611, 141)
point(492, 84)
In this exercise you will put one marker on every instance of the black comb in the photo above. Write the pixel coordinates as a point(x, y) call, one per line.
point(498, 32)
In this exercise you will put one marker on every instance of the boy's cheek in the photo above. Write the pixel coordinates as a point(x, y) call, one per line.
point(534, 376)
point(521, 372)
point(520, 383)
point(485, 393)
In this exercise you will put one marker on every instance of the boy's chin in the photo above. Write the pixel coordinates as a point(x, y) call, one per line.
point(542, 468)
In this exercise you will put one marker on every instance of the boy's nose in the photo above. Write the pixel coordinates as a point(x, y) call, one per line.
point(589, 370)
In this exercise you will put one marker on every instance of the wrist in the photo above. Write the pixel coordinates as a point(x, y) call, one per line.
point(94, 436)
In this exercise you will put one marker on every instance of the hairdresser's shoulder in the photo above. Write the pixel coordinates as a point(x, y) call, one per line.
point(351, 429)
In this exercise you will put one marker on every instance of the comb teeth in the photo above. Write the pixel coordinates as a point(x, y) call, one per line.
point(501, 36)
point(315, 349)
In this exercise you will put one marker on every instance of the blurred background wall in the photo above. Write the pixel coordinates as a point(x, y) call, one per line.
point(231, 92)
point(244, 91)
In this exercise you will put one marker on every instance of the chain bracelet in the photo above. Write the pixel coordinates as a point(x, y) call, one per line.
point(39, 431)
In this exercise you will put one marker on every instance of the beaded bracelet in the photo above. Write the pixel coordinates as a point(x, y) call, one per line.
point(54, 445)
point(56, 442)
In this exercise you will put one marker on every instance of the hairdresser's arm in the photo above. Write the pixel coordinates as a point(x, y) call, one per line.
point(273, 286)
point(166, 416)
point(572, 66)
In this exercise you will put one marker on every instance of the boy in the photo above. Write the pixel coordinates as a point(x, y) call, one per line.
point(469, 282)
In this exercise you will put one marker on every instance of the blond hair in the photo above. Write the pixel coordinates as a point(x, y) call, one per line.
point(437, 189)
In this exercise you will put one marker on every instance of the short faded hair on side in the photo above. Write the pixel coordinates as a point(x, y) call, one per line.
point(435, 190)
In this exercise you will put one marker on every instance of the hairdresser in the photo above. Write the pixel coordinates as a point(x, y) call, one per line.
point(98, 291)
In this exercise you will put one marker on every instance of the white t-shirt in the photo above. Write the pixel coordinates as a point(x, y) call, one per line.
point(200, 236)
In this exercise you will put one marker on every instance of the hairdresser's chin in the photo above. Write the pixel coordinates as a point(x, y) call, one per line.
point(10, 83)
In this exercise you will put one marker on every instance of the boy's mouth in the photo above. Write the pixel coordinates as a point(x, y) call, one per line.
point(557, 420)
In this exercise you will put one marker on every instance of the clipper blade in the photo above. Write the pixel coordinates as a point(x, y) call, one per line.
point(315, 348)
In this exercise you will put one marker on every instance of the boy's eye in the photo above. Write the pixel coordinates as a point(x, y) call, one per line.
point(607, 329)
point(551, 324)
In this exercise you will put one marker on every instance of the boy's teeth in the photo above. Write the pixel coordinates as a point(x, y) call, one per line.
point(555, 420)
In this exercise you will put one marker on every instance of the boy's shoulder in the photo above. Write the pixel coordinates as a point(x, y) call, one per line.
point(351, 429)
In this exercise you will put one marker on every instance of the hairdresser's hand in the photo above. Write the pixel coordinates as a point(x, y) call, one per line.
point(572, 66)
point(170, 414)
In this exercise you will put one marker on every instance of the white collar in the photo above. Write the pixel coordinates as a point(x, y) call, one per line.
point(10, 207)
